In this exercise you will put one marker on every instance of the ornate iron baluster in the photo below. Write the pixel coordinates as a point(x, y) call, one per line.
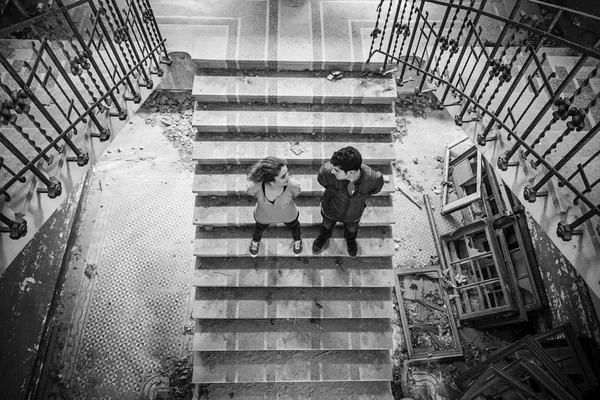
point(418, 11)
point(148, 16)
point(435, 45)
point(507, 156)
point(503, 33)
point(403, 29)
point(7, 118)
point(103, 132)
point(53, 185)
point(16, 229)
point(143, 33)
point(387, 17)
point(564, 107)
point(456, 46)
point(136, 96)
point(577, 123)
point(447, 44)
point(129, 44)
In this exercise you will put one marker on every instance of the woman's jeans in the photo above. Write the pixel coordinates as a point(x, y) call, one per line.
point(294, 226)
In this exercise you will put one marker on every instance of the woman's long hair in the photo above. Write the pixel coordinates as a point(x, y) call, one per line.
point(266, 170)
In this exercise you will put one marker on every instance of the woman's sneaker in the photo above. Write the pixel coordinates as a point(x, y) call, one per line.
point(297, 246)
point(254, 248)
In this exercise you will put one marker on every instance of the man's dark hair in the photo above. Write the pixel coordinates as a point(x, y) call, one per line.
point(347, 159)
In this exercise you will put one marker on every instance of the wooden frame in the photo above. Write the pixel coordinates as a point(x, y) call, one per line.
point(526, 258)
point(574, 352)
point(516, 376)
point(434, 274)
point(492, 376)
point(504, 277)
point(505, 356)
point(463, 201)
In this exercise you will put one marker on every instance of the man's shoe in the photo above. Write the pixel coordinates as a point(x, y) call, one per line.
point(297, 246)
point(318, 244)
point(254, 248)
point(352, 248)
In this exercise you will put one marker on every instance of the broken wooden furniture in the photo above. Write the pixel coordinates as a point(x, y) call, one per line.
point(493, 271)
point(565, 349)
point(522, 379)
point(531, 350)
point(427, 320)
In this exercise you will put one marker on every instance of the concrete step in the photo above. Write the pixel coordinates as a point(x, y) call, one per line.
point(286, 272)
point(291, 366)
point(239, 211)
point(206, 152)
point(303, 334)
point(260, 303)
point(212, 180)
point(227, 242)
point(292, 120)
point(305, 390)
point(293, 89)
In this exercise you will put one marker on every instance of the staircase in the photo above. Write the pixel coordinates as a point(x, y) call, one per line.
point(279, 326)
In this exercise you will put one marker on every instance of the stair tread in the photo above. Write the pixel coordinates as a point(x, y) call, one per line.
point(365, 390)
point(293, 89)
point(291, 366)
point(226, 241)
point(239, 211)
point(206, 152)
point(260, 303)
point(296, 277)
point(221, 184)
point(302, 334)
point(287, 121)
point(293, 272)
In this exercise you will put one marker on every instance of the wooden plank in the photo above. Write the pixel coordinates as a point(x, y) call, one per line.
point(429, 282)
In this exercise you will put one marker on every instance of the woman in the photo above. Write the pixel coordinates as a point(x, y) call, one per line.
point(274, 189)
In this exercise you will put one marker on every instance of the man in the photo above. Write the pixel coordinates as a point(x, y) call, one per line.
point(347, 185)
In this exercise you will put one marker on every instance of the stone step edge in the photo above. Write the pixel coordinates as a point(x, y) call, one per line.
point(239, 183)
point(298, 153)
point(303, 334)
point(370, 365)
point(293, 89)
point(280, 247)
point(265, 121)
point(265, 277)
point(363, 390)
point(308, 216)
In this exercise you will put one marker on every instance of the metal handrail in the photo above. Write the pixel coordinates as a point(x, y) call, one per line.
point(498, 70)
point(129, 56)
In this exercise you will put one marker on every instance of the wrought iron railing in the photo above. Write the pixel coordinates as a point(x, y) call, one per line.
point(505, 85)
point(81, 74)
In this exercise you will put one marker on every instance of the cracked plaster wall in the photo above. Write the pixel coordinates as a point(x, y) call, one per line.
point(569, 299)
point(26, 291)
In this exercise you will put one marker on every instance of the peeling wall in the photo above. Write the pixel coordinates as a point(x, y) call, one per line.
point(26, 291)
point(568, 294)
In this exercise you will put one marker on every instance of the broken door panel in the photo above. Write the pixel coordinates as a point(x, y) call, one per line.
point(496, 384)
point(563, 346)
point(466, 178)
point(476, 267)
point(427, 320)
point(528, 348)
point(517, 249)
point(522, 379)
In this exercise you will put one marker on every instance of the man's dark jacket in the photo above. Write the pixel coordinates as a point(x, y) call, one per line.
point(337, 204)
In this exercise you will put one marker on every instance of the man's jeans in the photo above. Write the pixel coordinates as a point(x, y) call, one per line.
point(350, 228)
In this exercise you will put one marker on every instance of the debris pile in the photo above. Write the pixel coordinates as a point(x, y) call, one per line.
point(173, 111)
